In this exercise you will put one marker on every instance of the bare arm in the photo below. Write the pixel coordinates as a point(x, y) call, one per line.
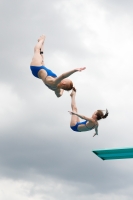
point(81, 116)
point(67, 74)
point(96, 131)
point(59, 92)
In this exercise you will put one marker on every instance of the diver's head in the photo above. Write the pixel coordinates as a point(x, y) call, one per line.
point(66, 84)
point(99, 114)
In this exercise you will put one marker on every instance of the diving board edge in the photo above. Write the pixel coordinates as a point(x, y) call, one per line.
point(114, 153)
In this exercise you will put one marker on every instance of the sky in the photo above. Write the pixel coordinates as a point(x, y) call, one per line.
point(40, 156)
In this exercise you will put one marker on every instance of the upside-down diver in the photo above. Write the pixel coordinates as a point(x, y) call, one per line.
point(56, 83)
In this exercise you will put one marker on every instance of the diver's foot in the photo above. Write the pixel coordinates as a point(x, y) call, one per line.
point(42, 37)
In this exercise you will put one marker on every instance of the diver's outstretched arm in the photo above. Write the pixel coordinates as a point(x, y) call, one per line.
point(67, 74)
point(81, 116)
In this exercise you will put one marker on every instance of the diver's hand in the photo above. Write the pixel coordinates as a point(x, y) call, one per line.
point(80, 69)
point(72, 113)
point(94, 134)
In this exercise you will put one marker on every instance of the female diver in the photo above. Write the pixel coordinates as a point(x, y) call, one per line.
point(89, 123)
point(56, 83)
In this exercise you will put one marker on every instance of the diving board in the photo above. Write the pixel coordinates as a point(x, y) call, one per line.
point(118, 153)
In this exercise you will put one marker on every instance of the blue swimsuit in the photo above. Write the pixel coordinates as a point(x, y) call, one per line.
point(35, 70)
point(75, 128)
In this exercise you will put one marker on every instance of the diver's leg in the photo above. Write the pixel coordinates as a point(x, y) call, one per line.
point(37, 59)
point(42, 53)
point(74, 118)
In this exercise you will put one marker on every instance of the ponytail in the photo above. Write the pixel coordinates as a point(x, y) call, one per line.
point(106, 114)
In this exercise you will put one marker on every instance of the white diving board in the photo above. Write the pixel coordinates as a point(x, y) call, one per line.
point(117, 153)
